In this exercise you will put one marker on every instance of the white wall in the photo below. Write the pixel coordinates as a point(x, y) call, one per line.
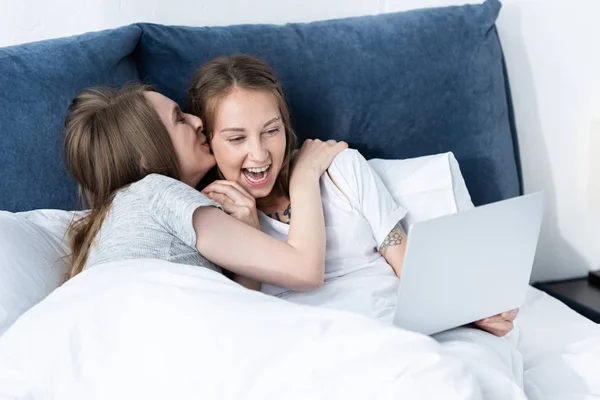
point(553, 62)
point(29, 20)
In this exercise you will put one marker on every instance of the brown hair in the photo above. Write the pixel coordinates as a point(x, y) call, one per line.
point(113, 137)
point(217, 78)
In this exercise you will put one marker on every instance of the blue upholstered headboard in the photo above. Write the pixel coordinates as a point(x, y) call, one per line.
point(394, 86)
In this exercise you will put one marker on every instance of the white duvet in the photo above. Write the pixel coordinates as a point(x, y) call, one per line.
point(149, 329)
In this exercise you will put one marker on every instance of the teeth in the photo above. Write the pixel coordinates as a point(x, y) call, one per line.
point(252, 179)
point(257, 170)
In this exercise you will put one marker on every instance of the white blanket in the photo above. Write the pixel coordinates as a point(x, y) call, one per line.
point(553, 354)
point(149, 329)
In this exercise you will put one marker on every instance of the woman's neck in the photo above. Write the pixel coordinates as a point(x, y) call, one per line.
point(276, 206)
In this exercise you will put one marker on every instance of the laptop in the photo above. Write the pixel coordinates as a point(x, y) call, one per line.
point(464, 267)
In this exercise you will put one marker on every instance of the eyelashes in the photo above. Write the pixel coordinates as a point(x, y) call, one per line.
point(238, 139)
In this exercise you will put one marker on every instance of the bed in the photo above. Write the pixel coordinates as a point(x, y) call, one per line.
point(394, 86)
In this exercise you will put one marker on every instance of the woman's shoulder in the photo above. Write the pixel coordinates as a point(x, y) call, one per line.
point(144, 190)
point(163, 194)
point(155, 181)
point(345, 172)
point(152, 185)
point(347, 155)
point(348, 161)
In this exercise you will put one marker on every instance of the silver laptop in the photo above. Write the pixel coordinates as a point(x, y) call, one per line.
point(467, 266)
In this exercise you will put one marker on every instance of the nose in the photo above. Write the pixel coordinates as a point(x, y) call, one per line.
point(257, 151)
point(196, 122)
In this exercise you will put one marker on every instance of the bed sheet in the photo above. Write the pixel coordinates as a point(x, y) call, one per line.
point(560, 349)
point(554, 353)
point(149, 329)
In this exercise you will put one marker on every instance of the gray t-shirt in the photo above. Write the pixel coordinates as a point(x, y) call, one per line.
point(151, 218)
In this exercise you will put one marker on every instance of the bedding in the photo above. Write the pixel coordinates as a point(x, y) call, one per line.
point(150, 329)
point(428, 186)
point(558, 350)
point(32, 262)
point(62, 348)
point(553, 353)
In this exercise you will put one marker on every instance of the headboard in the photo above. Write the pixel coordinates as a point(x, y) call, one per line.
point(393, 85)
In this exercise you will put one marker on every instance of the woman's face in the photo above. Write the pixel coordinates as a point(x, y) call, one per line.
point(191, 148)
point(249, 140)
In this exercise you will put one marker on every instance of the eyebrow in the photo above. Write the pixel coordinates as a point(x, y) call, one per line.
point(269, 122)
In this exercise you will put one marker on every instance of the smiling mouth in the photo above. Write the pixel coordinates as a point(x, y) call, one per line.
point(256, 176)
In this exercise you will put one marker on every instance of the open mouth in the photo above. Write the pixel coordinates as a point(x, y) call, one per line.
point(256, 176)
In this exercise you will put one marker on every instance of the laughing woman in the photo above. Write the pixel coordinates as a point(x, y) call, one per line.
point(248, 127)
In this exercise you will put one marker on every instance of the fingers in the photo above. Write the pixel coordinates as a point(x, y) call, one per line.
point(316, 155)
point(505, 316)
point(491, 320)
point(500, 324)
point(228, 205)
point(331, 147)
point(236, 186)
point(219, 198)
point(497, 328)
point(231, 191)
point(328, 143)
point(510, 315)
point(231, 208)
point(340, 146)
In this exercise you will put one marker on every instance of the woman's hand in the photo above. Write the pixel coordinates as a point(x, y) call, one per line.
point(500, 324)
point(315, 156)
point(235, 200)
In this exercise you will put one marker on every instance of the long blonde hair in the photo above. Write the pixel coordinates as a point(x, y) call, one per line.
point(218, 77)
point(113, 137)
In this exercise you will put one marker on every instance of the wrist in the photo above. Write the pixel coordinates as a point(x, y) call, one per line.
point(305, 174)
point(303, 184)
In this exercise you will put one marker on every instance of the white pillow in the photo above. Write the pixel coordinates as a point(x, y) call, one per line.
point(428, 187)
point(33, 259)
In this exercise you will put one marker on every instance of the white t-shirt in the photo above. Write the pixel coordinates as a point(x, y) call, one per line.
point(359, 214)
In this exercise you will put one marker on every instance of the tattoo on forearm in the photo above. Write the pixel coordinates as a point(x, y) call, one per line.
point(395, 237)
point(286, 213)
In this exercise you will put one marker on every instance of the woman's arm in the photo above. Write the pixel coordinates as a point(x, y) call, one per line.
point(306, 195)
point(393, 248)
point(363, 188)
point(297, 264)
point(238, 203)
